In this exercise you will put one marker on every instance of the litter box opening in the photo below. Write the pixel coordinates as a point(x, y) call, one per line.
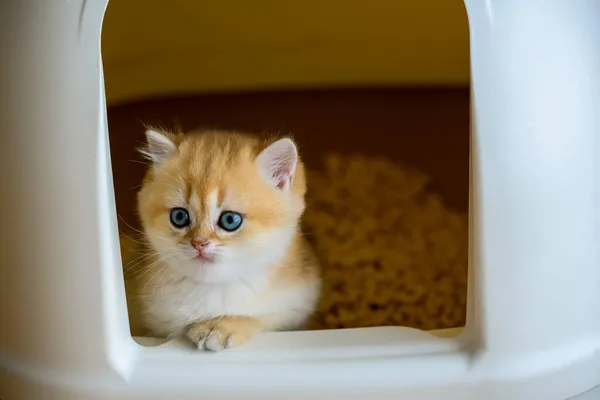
point(400, 294)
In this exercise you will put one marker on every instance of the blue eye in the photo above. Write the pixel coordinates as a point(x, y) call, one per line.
point(180, 218)
point(230, 221)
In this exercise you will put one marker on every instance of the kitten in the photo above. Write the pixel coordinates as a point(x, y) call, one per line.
point(225, 258)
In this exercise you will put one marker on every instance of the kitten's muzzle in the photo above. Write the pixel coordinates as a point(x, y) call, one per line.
point(201, 245)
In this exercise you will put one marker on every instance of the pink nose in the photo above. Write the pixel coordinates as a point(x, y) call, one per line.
point(200, 244)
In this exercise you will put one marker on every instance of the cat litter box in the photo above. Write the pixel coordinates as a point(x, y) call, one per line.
point(533, 309)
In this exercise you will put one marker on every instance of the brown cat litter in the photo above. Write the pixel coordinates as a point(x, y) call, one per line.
point(392, 253)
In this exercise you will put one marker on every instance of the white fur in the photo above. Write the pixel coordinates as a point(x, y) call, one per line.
point(238, 283)
point(211, 203)
point(172, 307)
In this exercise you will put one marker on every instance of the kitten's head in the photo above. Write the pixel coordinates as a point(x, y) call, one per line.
point(220, 206)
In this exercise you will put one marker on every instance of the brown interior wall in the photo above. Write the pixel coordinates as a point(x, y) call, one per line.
point(425, 128)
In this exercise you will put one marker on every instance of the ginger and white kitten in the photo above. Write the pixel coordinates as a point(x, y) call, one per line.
point(225, 258)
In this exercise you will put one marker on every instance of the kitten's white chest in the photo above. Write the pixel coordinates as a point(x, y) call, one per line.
point(173, 306)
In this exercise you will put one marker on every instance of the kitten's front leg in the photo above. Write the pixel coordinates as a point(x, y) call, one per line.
point(223, 332)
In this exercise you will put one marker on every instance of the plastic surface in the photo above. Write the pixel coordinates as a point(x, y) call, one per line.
point(533, 327)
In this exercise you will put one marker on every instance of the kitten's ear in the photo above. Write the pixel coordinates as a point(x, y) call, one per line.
point(159, 147)
point(278, 162)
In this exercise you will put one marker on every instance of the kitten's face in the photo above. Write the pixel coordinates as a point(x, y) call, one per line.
point(216, 208)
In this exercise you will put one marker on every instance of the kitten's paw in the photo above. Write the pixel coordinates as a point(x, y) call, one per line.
point(222, 333)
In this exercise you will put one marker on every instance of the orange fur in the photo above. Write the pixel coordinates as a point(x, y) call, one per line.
point(263, 277)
